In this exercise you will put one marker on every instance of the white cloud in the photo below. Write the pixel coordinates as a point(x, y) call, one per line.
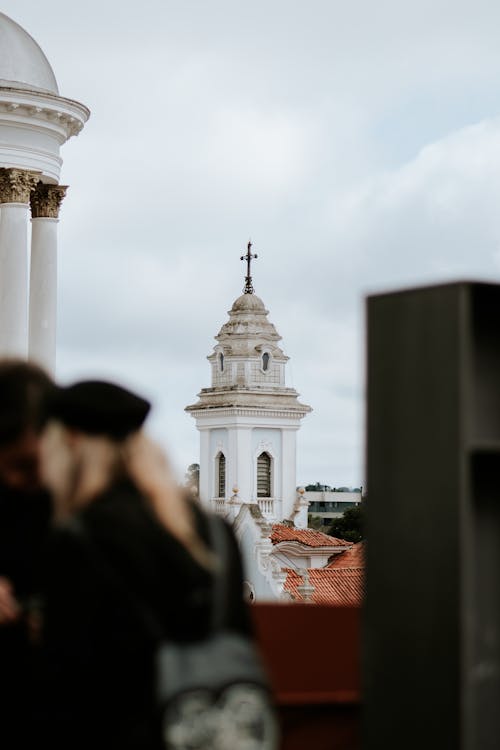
point(334, 134)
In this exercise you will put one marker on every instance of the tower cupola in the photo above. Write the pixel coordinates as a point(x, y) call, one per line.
point(248, 417)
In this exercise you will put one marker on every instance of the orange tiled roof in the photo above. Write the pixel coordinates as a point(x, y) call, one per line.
point(340, 586)
point(309, 537)
point(351, 558)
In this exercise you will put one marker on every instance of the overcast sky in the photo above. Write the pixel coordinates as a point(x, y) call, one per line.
point(357, 143)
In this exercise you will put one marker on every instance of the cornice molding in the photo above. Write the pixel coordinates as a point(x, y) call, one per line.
point(246, 412)
point(43, 110)
point(256, 389)
point(299, 549)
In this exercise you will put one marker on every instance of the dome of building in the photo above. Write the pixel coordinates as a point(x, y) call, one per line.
point(248, 326)
point(248, 303)
point(22, 62)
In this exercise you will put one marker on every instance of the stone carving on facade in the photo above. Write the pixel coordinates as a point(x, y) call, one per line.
point(265, 445)
point(263, 547)
point(263, 524)
point(306, 589)
point(235, 498)
point(16, 185)
point(46, 200)
point(263, 550)
point(278, 573)
point(240, 374)
point(301, 502)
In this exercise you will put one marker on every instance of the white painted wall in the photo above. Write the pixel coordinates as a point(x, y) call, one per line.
point(315, 559)
point(289, 475)
point(241, 464)
point(205, 495)
point(261, 585)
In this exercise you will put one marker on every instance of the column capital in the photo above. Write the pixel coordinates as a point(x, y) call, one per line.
point(17, 184)
point(46, 200)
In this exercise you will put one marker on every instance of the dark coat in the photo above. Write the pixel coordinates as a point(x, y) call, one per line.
point(99, 652)
point(24, 523)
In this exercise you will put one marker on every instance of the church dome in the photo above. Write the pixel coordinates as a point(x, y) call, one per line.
point(248, 329)
point(248, 303)
point(22, 62)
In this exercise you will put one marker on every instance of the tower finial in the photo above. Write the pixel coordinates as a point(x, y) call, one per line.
point(248, 288)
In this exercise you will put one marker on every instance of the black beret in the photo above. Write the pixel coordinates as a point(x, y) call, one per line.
point(97, 407)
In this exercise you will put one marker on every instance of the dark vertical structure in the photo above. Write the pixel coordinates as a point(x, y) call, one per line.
point(264, 475)
point(221, 475)
point(432, 612)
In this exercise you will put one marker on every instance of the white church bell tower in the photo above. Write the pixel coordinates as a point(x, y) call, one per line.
point(248, 418)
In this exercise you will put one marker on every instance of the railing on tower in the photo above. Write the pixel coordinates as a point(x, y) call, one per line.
point(219, 505)
point(266, 505)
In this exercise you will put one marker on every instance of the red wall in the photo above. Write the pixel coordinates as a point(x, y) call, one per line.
point(312, 656)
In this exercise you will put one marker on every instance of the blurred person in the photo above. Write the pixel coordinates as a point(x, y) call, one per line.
point(24, 520)
point(140, 533)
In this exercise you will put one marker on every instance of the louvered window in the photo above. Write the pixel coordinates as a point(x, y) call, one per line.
point(265, 361)
point(221, 475)
point(264, 475)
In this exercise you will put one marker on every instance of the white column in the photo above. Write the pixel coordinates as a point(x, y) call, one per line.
point(205, 469)
point(15, 188)
point(289, 469)
point(243, 460)
point(232, 474)
point(45, 203)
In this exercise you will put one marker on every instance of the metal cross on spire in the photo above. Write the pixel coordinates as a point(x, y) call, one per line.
point(248, 288)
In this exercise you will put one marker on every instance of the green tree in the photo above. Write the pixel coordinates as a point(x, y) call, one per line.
point(314, 522)
point(192, 479)
point(349, 526)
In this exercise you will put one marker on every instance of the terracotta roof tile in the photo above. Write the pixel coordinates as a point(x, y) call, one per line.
point(351, 558)
point(340, 586)
point(309, 537)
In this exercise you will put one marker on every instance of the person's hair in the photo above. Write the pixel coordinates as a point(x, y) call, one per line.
point(102, 460)
point(23, 388)
point(147, 465)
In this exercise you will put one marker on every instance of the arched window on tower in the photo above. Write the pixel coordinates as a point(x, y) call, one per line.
point(221, 362)
point(265, 361)
point(221, 475)
point(264, 475)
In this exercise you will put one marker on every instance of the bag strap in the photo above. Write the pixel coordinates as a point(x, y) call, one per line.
point(144, 611)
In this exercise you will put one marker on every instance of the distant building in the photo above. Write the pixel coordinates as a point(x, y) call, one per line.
point(248, 418)
point(337, 586)
point(248, 421)
point(340, 582)
point(354, 557)
point(331, 504)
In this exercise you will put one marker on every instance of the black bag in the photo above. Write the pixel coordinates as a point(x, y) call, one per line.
point(213, 694)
